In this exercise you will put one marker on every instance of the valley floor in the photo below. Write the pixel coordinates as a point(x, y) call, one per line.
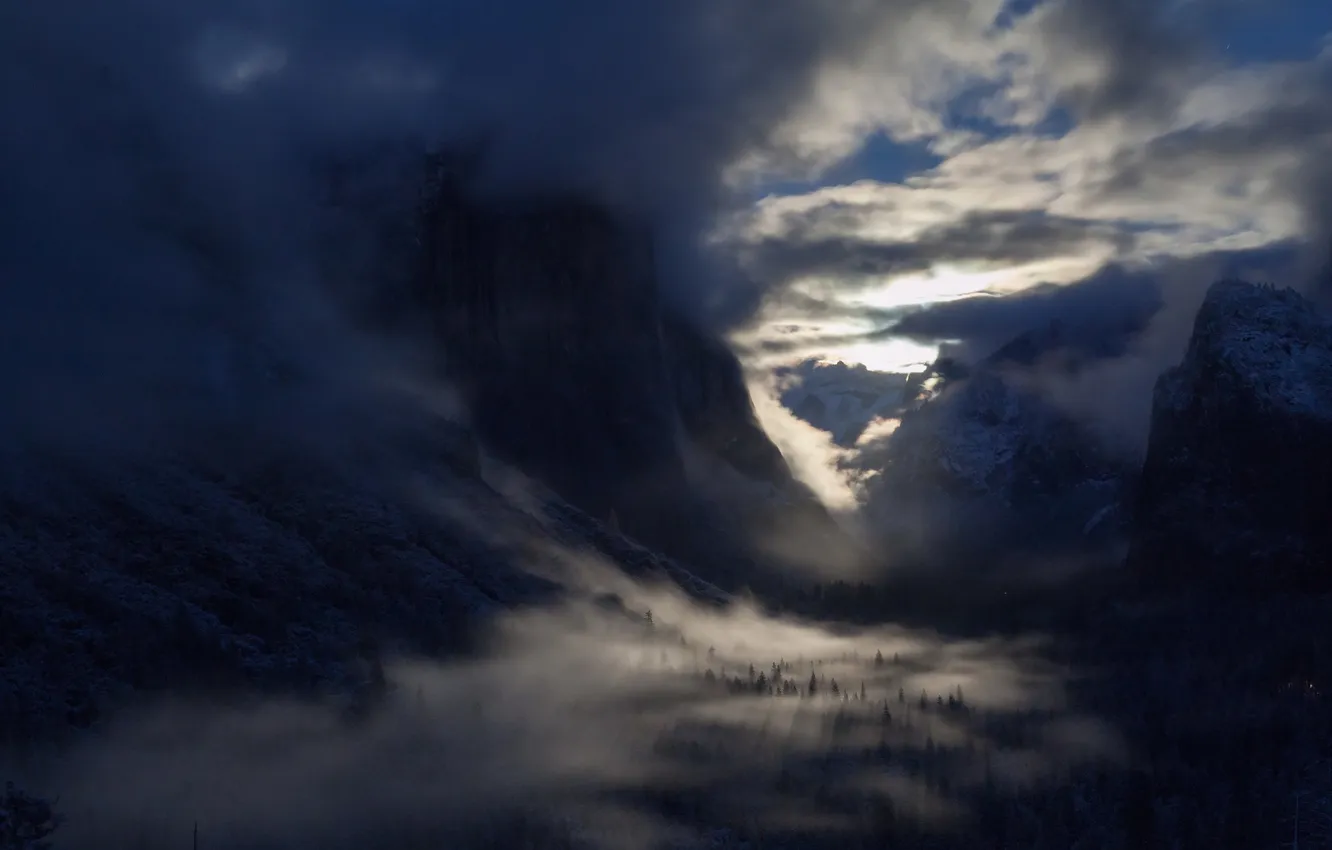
point(1184, 722)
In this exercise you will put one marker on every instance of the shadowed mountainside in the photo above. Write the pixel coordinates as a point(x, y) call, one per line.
point(573, 369)
point(1236, 489)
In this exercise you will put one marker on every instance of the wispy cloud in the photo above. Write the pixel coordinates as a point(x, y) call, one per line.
point(1077, 139)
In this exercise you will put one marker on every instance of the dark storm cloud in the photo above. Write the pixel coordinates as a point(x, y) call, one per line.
point(1298, 130)
point(1311, 180)
point(996, 237)
point(1143, 55)
point(645, 99)
point(828, 307)
point(1287, 134)
point(1103, 312)
point(806, 339)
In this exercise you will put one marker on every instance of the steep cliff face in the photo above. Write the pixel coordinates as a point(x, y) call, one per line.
point(549, 315)
point(1236, 489)
point(714, 406)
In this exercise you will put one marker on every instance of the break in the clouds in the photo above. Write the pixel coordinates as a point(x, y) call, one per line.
point(840, 248)
point(1109, 143)
point(1105, 310)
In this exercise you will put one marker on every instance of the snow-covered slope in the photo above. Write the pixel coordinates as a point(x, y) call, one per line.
point(281, 571)
point(841, 399)
point(269, 543)
point(983, 462)
point(1237, 484)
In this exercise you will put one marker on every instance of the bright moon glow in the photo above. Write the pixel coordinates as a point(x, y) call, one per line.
point(889, 355)
point(940, 284)
point(856, 341)
point(944, 283)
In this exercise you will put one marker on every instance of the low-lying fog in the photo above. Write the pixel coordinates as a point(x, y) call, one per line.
point(631, 717)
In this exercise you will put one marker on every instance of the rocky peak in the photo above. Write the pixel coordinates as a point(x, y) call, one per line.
point(975, 430)
point(1270, 346)
point(1236, 487)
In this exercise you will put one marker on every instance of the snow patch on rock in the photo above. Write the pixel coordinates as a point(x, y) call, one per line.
point(1273, 342)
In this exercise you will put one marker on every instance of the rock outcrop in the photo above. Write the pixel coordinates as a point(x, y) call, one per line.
point(986, 465)
point(1236, 489)
point(713, 403)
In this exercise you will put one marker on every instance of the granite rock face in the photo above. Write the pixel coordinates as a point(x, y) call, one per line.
point(549, 321)
point(549, 316)
point(1236, 488)
point(713, 403)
